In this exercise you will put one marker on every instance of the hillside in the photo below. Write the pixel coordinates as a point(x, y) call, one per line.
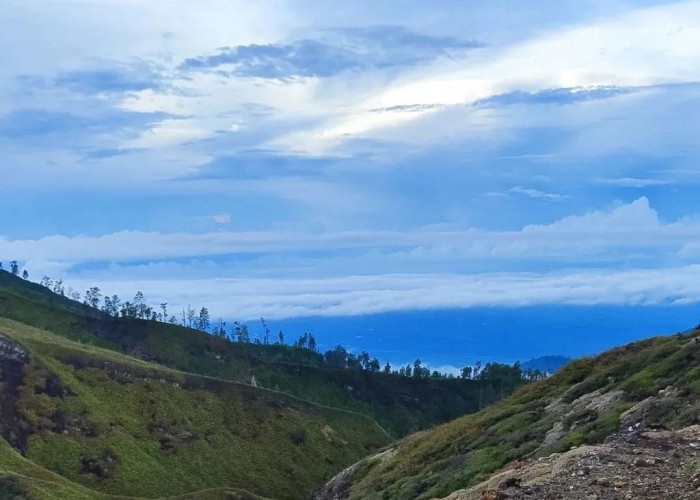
point(653, 384)
point(93, 406)
point(399, 404)
point(123, 426)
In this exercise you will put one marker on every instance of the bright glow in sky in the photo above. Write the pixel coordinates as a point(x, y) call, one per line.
point(293, 158)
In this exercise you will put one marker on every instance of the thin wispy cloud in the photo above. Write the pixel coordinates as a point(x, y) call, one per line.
point(536, 193)
point(332, 52)
point(632, 182)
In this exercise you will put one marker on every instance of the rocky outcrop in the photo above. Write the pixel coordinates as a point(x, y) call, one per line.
point(629, 465)
point(650, 411)
point(12, 360)
point(338, 488)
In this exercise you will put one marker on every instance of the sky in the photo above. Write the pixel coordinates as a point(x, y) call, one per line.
point(295, 159)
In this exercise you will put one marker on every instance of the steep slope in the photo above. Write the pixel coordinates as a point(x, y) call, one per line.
point(649, 384)
point(399, 404)
point(89, 421)
point(656, 464)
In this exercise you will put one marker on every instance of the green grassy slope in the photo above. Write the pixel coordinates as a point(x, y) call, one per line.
point(118, 425)
point(400, 404)
point(580, 404)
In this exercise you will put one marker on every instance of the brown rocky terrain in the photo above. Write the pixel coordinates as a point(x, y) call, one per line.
point(636, 464)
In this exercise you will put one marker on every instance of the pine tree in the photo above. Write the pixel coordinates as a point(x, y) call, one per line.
point(203, 319)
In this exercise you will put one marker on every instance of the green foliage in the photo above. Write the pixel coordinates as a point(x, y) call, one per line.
point(459, 454)
point(9, 487)
point(119, 425)
point(399, 404)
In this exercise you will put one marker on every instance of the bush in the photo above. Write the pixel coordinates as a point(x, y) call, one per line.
point(9, 488)
point(298, 436)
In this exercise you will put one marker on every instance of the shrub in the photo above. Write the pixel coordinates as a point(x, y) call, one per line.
point(298, 436)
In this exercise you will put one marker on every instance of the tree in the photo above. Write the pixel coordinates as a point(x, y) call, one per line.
point(302, 341)
point(337, 357)
point(374, 365)
point(353, 362)
point(25, 274)
point(476, 370)
point(280, 337)
point(203, 319)
point(363, 359)
point(107, 307)
point(128, 310)
point(312, 342)
point(266, 331)
point(114, 305)
point(417, 369)
point(46, 281)
point(14, 267)
point(142, 309)
point(387, 368)
point(466, 372)
point(164, 309)
point(58, 288)
point(93, 296)
point(220, 329)
point(188, 319)
point(241, 332)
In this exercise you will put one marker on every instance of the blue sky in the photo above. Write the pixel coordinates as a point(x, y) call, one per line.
point(298, 158)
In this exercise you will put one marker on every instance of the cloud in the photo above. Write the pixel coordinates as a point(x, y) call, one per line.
point(347, 150)
point(37, 122)
point(221, 218)
point(627, 234)
point(112, 78)
point(552, 96)
point(614, 58)
point(631, 182)
point(537, 194)
point(34, 123)
point(354, 295)
point(334, 52)
point(637, 215)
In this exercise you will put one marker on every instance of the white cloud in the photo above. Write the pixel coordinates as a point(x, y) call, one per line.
point(536, 193)
point(354, 295)
point(637, 215)
point(313, 283)
point(633, 226)
point(221, 218)
point(643, 47)
point(631, 182)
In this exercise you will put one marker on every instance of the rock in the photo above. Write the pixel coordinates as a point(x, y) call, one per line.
point(602, 481)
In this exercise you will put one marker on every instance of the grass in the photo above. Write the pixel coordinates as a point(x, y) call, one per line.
point(401, 405)
point(461, 453)
point(119, 425)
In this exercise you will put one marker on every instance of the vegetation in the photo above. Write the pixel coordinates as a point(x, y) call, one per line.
point(461, 453)
point(337, 357)
point(98, 406)
point(124, 426)
point(400, 402)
